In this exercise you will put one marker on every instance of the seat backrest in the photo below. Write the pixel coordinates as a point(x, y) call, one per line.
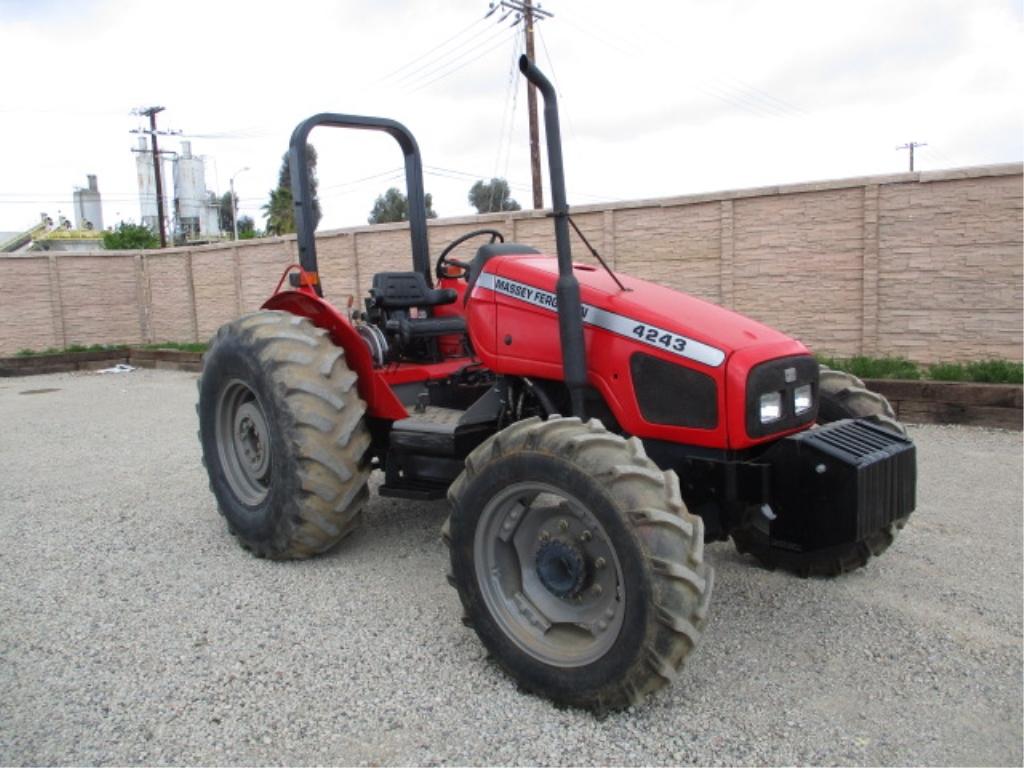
point(402, 290)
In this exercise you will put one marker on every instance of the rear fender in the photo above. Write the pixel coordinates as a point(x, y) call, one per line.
point(380, 399)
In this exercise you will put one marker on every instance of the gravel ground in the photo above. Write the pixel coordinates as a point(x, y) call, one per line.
point(135, 630)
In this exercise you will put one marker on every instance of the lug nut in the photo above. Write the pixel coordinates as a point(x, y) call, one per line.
point(544, 535)
point(599, 563)
point(597, 590)
point(563, 525)
point(586, 536)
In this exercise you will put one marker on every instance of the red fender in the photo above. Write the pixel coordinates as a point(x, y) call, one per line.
point(380, 399)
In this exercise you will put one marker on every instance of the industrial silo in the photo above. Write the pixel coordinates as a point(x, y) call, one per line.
point(189, 192)
point(88, 206)
point(147, 186)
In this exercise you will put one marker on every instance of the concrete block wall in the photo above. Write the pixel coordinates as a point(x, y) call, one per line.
point(923, 265)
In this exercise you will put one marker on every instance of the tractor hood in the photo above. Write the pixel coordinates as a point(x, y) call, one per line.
point(712, 333)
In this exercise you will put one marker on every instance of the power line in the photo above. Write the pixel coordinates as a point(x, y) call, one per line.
point(435, 48)
point(424, 79)
point(750, 99)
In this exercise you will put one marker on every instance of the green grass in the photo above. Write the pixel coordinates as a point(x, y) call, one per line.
point(985, 371)
point(72, 348)
point(180, 346)
point(874, 367)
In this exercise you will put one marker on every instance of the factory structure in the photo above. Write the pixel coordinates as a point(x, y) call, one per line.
point(195, 214)
point(88, 206)
point(85, 234)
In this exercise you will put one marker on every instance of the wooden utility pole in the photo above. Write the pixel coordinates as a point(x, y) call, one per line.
point(529, 13)
point(151, 113)
point(531, 103)
point(910, 145)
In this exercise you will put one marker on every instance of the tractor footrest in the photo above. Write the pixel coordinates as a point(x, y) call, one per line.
point(430, 431)
point(416, 493)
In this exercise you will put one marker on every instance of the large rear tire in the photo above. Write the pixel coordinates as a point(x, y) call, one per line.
point(283, 435)
point(841, 396)
point(577, 563)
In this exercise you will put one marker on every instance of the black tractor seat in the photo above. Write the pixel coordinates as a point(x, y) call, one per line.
point(398, 292)
point(403, 290)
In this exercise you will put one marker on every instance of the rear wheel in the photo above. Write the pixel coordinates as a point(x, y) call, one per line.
point(283, 436)
point(841, 396)
point(577, 563)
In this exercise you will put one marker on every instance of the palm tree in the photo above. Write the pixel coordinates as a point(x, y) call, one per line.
point(279, 212)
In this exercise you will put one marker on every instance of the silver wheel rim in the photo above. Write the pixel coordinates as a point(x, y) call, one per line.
point(531, 538)
point(243, 443)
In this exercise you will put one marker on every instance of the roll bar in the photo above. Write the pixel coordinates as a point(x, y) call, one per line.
point(302, 193)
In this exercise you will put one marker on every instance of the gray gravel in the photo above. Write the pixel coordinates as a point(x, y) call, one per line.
point(134, 630)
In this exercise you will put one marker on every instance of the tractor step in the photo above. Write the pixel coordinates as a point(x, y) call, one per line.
point(429, 430)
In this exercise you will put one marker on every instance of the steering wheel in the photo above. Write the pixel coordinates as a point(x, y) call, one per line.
point(444, 263)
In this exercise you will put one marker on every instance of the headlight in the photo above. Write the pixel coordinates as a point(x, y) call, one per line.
point(771, 407)
point(801, 399)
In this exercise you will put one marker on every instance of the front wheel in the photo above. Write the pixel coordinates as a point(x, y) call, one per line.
point(841, 396)
point(577, 563)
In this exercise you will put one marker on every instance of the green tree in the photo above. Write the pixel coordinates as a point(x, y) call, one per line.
point(224, 212)
point(130, 237)
point(279, 212)
point(492, 196)
point(246, 228)
point(284, 180)
point(394, 206)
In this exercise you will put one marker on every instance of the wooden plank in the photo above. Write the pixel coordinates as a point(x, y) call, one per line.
point(963, 393)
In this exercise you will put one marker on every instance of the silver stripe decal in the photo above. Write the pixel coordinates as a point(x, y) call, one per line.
point(645, 333)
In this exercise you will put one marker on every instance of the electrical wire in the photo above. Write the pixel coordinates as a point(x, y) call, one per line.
point(435, 48)
point(489, 47)
point(745, 99)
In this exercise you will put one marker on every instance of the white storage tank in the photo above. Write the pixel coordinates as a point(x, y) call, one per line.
point(189, 191)
point(147, 186)
point(88, 206)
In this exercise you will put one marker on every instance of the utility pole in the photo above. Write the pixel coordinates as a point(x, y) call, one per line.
point(528, 13)
point(531, 103)
point(151, 113)
point(234, 212)
point(910, 146)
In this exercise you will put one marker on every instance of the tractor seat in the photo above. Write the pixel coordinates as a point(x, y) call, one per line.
point(403, 290)
point(398, 292)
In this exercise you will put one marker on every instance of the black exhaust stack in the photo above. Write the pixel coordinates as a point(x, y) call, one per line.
point(303, 201)
point(567, 289)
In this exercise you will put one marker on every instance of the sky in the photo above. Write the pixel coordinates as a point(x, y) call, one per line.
point(657, 98)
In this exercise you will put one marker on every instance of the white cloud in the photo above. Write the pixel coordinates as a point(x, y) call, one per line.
point(657, 98)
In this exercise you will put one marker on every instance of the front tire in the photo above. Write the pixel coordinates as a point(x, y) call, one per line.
point(283, 435)
point(841, 396)
point(577, 563)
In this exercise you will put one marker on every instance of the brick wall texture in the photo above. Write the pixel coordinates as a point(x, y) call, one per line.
point(923, 265)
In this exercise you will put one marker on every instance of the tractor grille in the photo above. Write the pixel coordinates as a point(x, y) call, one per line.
point(673, 394)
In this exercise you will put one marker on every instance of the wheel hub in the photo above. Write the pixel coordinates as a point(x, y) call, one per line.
point(549, 574)
point(561, 568)
point(250, 436)
point(244, 443)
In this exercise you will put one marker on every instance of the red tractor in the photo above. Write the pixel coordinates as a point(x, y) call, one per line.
point(591, 431)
